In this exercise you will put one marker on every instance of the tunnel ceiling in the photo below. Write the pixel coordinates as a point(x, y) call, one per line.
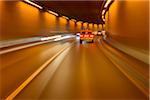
point(86, 11)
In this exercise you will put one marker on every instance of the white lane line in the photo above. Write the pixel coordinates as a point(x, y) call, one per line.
point(26, 82)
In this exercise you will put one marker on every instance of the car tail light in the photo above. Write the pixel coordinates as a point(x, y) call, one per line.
point(86, 35)
point(81, 35)
point(92, 36)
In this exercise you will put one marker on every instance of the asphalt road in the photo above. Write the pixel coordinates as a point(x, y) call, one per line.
point(81, 72)
point(17, 66)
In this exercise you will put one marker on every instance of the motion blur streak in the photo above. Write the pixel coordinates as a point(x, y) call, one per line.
point(84, 73)
point(27, 81)
point(25, 62)
point(50, 37)
point(130, 67)
point(21, 42)
point(64, 37)
point(114, 67)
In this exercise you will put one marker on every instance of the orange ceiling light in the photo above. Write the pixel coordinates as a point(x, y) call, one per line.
point(107, 3)
point(65, 17)
point(73, 20)
point(105, 7)
point(33, 4)
point(53, 13)
point(103, 12)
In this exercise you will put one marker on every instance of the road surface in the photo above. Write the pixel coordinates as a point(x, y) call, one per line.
point(80, 72)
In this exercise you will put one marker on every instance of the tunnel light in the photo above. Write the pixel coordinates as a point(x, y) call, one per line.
point(107, 3)
point(80, 21)
point(104, 20)
point(103, 16)
point(103, 12)
point(65, 17)
point(34, 4)
point(73, 20)
point(53, 13)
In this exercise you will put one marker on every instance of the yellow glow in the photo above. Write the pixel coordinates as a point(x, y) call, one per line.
point(65, 17)
point(78, 26)
point(104, 26)
point(28, 10)
point(62, 20)
point(49, 19)
point(72, 25)
point(85, 25)
point(80, 22)
point(129, 18)
point(73, 20)
point(100, 26)
point(95, 26)
point(102, 17)
point(90, 26)
point(62, 23)
point(106, 21)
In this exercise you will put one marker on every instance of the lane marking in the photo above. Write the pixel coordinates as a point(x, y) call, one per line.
point(30, 78)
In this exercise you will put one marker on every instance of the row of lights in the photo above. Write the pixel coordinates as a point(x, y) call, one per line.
point(104, 10)
point(34, 4)
point(51, 12)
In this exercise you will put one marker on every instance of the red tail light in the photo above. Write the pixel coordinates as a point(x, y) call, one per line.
point(81, 35)
point(86, 35)
point(92, 36)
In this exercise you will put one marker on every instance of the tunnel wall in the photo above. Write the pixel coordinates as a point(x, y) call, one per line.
point(127, 21)
point(19, 20)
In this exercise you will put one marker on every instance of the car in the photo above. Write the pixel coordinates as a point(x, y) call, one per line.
point(86, 35)
point(78, 34)
point(99, 33)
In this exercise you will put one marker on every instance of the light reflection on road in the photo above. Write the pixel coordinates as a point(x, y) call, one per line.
point(83, 73)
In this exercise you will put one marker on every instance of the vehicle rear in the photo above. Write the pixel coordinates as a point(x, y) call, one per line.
point(86, 35)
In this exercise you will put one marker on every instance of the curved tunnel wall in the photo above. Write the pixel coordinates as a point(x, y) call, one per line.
point(19, 20)
point(128, 23)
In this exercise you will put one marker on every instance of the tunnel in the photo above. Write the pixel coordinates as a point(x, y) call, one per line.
point(74, 49)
